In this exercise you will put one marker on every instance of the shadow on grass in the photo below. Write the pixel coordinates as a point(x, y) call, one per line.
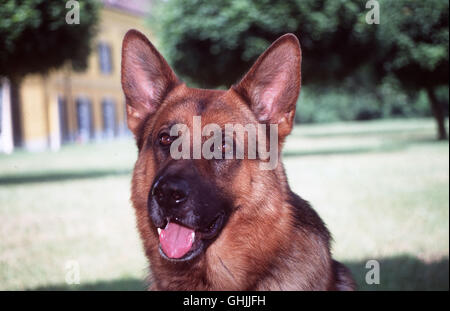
point(359, 133)
point(337, 151)
point(396, 273)
point(59, 176)
point(403, 273)
point(386, 147)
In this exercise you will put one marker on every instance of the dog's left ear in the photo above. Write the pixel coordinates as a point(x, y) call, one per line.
point(272, 85)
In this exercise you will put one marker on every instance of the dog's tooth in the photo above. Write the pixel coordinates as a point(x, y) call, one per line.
point(159, 231)
point(193, 235)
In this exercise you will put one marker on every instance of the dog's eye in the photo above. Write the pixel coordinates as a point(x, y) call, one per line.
point(165, 139)
point(221, 148)
point(224, 147)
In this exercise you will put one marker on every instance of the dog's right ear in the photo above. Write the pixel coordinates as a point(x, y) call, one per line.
point(146, 79)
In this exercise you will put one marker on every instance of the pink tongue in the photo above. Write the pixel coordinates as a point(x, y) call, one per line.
point(176, 240)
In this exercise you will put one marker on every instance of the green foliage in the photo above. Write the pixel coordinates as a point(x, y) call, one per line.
point(35, 37)
point(330, 104)
point(214, 42)
point(413, 41)
point(351, 70)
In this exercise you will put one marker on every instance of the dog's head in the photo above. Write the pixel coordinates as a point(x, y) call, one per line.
point(188, 201)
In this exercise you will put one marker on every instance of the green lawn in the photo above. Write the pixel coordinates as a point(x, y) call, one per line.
point(382, 188)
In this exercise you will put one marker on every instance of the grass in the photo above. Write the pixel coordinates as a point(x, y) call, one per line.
point(381, 187)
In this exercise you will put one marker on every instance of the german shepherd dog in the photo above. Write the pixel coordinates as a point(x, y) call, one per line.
point(222, 224)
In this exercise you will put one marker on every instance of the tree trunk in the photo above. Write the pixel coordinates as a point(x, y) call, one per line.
point(438, 113)
point(16, 115)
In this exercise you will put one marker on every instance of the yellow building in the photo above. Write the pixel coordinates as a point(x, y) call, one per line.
point(67, 106)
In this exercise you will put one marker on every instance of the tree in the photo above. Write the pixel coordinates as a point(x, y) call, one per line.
point(35, 38)
point(413, 41)
point(212, 43)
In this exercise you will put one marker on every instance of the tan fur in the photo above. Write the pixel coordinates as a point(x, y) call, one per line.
point(262, 246)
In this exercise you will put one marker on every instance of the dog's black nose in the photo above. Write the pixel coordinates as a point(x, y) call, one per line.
point(170, 192)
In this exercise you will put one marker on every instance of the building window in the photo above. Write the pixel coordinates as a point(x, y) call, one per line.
point(63, 123)
point(1, 108)
point(84, 120)
point(105, 59)
point(109, 117)
point(125, 129)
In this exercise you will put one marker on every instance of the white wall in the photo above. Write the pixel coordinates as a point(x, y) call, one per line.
point(6, 134)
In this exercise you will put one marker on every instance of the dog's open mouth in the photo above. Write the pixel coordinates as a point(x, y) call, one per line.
point(179, 242)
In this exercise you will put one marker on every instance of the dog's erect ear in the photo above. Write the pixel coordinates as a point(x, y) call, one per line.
point(146, 78)
point(272, 85)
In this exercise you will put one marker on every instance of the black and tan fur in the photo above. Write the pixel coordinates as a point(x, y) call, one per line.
point(271, 239)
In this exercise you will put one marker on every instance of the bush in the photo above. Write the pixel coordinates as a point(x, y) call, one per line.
point(317, 105)
point(330, 105)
